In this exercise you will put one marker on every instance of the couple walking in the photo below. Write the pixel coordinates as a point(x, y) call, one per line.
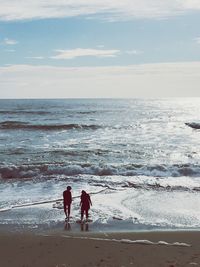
point(85, 203)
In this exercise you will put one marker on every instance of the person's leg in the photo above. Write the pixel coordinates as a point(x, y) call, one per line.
point(82, 212)
point(65, 209)
point(69, 208)
point(86, 213)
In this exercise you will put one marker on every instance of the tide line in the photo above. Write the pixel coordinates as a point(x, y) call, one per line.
point(128, 241)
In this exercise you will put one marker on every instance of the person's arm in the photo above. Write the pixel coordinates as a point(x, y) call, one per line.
point(90, 200)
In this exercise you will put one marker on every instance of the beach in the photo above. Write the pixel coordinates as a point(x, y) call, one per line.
point(68, 249)
point(139, 161)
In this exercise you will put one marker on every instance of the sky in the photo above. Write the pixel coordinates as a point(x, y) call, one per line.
point(99, 48)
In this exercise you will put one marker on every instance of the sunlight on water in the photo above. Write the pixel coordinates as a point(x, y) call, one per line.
point(145, 153)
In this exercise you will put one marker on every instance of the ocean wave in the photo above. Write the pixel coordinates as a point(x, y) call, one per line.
point(86, 112)
point(43, 112)
point(21, 112)
point(16, 125)
point(78, 153)
point(194, 125)
point(69, 169)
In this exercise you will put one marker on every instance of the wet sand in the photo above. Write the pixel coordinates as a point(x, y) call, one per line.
point(69, 249)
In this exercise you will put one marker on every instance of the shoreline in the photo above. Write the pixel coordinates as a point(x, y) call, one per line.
point(89, 228)
point(55, 248)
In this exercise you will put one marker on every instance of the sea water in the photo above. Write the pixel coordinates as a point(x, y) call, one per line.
point(138, 159)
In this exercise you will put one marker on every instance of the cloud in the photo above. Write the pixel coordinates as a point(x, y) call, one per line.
point(197, 40)
point(100, 46)
point(36, 57)
point(80, 52)
point(145, 80)
point(134, 52)
point(10, 50)
point(7, 41)
point(109, 9)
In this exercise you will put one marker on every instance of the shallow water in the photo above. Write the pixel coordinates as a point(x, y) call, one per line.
point(140, 151)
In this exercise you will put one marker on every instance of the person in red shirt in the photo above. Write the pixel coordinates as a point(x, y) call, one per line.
point(85, 204)
point(67, 200)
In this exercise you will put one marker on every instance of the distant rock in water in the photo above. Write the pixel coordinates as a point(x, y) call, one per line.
point(194, 125)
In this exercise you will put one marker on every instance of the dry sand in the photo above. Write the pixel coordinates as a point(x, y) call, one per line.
point(68, 249)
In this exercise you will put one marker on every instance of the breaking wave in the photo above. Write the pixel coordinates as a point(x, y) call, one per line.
point(15, 125)
point(54, 169)
point(193, 125)
point(22, 112)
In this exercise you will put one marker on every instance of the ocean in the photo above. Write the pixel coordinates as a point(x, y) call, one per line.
point(138, 158)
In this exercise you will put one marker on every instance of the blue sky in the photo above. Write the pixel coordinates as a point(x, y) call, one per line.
point(137, 48)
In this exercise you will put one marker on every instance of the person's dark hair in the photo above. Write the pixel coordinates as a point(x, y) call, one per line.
point(69, 188)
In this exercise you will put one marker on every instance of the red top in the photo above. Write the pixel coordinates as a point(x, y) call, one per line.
point(85, 201)
point(67, 196)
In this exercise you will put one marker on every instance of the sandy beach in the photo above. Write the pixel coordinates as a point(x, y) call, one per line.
point(68, 249)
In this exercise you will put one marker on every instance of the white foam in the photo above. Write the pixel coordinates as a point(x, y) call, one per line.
point(5, 209)
point(153, 209)
point(95, 169)
point(128, 241)
point(147, 242)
